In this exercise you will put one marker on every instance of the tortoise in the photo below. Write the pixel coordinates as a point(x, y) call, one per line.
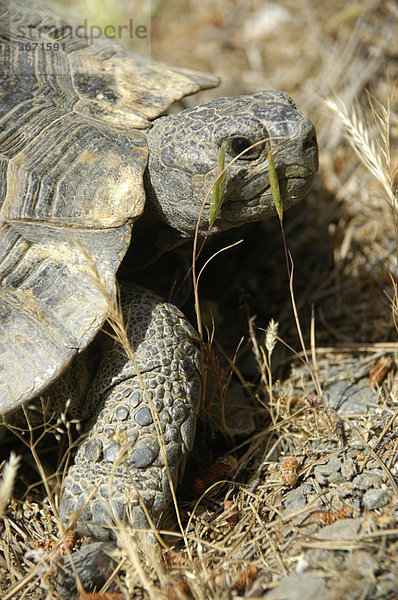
point(91, 163)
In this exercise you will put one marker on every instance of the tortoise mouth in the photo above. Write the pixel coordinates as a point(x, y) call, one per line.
point(292, 189)
point(237, 211)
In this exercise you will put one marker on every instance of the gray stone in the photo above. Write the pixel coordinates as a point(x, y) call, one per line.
point(300, 587)
point(348, 469)
point(345, 529)
point(364, 481)
point(349, 398)
point(345, 490)
point(329, 472)
point(373, 499)
point(93, 565)
point(296, 499)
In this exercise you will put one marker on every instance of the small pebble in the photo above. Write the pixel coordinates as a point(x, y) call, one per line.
point(333, 466)
point(321, 479)
point(364, 481)
point(373, 499)
point(348, 469)
point(346, 529)
point(329, 472)
point(296, 499)
point(344, 490)
point(298, 586)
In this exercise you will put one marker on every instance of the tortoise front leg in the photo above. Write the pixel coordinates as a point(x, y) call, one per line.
point(143, 424)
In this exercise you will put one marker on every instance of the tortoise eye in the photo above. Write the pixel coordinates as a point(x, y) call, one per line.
point(240, 144)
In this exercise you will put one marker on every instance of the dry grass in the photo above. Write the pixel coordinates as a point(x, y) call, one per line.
point(249, 519)
point(9, 473)
point(371, 144)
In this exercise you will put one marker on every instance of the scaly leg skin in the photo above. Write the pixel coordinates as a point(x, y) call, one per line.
point(121, 462)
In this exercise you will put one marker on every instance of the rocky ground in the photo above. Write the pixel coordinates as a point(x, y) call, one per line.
point(308, 507)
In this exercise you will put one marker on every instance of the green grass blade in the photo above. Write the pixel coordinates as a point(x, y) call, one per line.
point(276, 193)
point(217, 196)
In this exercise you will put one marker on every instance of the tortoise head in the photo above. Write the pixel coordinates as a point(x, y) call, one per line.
point(184, 150)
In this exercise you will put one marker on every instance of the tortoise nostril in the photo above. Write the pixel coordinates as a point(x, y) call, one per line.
point(310, 140)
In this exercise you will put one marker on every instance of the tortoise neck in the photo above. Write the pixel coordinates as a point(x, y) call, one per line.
point(151, 236)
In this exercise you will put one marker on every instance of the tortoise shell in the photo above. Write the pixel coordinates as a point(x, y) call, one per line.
point(72, 156)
